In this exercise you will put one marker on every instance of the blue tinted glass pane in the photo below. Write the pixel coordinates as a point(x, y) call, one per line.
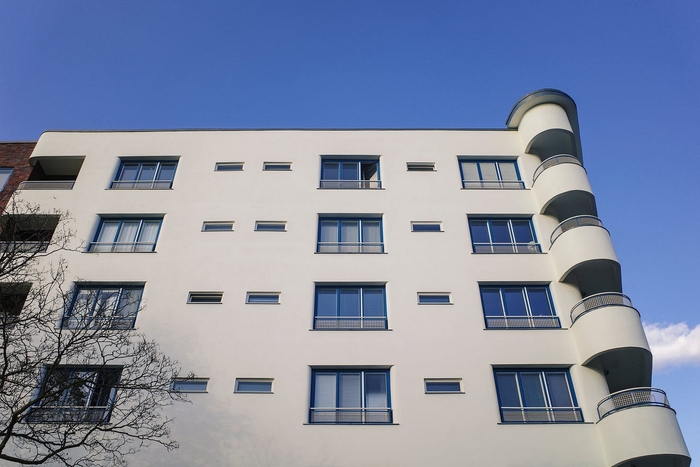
point(491, 300)
point(255, 386)
point(515, 302)
point(167, 171)
point(373, 302)
point(148, 171)
point(426, 299)
point(375, 390)
point(350, 231)
point(349, 390)
point(479, 231)
point(263, 298)
point(539, 301)
point(351, 171)
point(558, 387)
point(442, 386)
point(508, 390)
point(331, 171)
point(129, 172)
point(326, 302)
point(533, 395)
point(522, 231)
point(349, 302)
point(189, 386)
point(500, 232)
point(426, 227)
point(264, 227)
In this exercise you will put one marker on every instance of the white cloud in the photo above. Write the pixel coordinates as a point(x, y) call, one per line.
point(673, 344)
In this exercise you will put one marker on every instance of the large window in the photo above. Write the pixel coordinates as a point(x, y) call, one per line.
point(350, 307)
point(517, 307)
point(536, 396)
point(145, 175)
point(490, 174)
point(503, 236)
point(126, 236)
point(350, 396)
point(346, 173)
point(31, 233)
point(350, 235)
point(76, 394)
point(103, 306)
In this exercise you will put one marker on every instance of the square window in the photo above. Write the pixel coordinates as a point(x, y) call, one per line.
point(350, 307)
point(217, 226)
point(420, 166)
point(253, 386)
point(434, 298)
point(350, 235)
point(527, 395)
point(228, 166)
point(30, 233)
point(134, 174)
point(490, 174)
point(518, 307)
point(350, 173)
point(503, 235)
point(271, 226)
point(189, 385)
point(277, 166)
point(443, 386)
point(350, 396)
point(127, 235)
point(426, 226)
point(205, 297)
point(12, 298)
point(263, 298)
point(103, 306)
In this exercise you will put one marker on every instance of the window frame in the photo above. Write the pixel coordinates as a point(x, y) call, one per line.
point(437, 224)
point(184, 382)
point(359, 322)
point(526, 321)
point(545, 413)
point(362, 415)
point(360, 182)
point(422, 295)
point(275, 295)
point(340, 247)
point(5, 175)
point(206, 224)
point(228, 166)
point(498, 183)
point(137, 184)
point(492, 247)
point(96, 292)
point(277, 166)
point(270, 224)
point(237, 388)
point(420, 167)
point(428, 381)
point(95, 246)
point(203, 298)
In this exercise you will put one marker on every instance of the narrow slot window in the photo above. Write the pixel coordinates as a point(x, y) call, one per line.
point(263, 298)
point(443, 386)
point(420, 166)
point(189, 385)
point(205, 297)
point(434, 298)
point(271, 226)
point(253, 386)
point(421, 226)
point(228, 166)
point(217, 226)
point(277, 166)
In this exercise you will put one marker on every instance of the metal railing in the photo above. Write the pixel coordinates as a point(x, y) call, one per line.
point(128, 247)
point(493, 184)
point(572, 223)
point(599, 300)
point(541, 415)
point(336, 322)
point(522, 322)
point(352, 184)
point(531, 247)
point(114, 322)
point(46, 185)
point(350, 247)
point(555, 160)
point(70, 414)
point(635, 397)
point(25, 246)
point(359, 416)
point(142, 185)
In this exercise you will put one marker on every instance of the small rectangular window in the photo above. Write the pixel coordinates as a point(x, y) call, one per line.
point(264, 298)
point(443, 386)
point(277, 166)
point(271, 226)
point(422, 226)
point(434, 298)
point(250, 385)
point(189, 385)
point(420, 166)
point(5, 173)
point(228, 166)
point(217, 226)
point(205, 297)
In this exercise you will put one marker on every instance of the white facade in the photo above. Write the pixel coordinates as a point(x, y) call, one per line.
point(604, 351)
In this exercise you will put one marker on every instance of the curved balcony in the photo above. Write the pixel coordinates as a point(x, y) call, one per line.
point(583, 254)
point(562, 189)
point(545, 130)
point(638, 427)
point(609, 335)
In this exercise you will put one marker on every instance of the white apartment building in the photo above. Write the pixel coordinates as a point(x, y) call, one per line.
point(369, 297)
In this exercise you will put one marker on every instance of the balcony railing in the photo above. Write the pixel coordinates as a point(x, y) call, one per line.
point(70, 414)
point(572, 223)
point(522, 322)
point(632, 398)
point(335, 322)
point(555, 160)
point(350, 247)
point(352, 184)
point(598, 301)
point(128, 247)
point(541, 415)
point(493, 184)
point(114, 322)
point(47, 185)
point(531, 247)
point(142, 185)
point(25, 246)
point(350, 416)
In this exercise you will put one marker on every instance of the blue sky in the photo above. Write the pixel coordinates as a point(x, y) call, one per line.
point(632, 67)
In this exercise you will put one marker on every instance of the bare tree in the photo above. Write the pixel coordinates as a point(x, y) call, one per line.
point(78, 386)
